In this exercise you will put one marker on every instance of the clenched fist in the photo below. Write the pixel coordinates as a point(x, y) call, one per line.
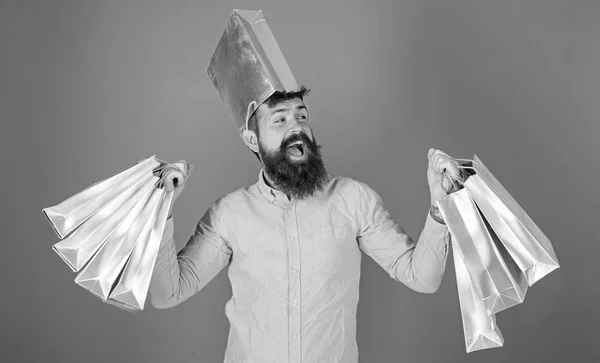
point(173, 177)
point(440, 163)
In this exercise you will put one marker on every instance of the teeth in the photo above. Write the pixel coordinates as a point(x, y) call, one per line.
point(296, 143)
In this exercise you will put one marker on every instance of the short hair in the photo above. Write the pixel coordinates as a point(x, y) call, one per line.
point(276, 98)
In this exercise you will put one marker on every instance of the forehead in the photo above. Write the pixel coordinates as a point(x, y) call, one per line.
point(283, 106)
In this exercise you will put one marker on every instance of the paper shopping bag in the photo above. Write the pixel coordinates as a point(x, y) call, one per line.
point(100, 274)
point(77, 249)
point(494, 274)
point(480, 329)
point(132, 288)
point(71, 213)
point(248, 66)
point(524, 240)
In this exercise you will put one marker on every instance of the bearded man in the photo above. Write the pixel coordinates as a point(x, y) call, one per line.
point(292, 241)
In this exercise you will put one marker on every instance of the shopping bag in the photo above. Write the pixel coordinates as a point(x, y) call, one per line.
point(100, 274)
point(113, 235)
point(248, 66)
point(526, 243)
point(131, 290)
point(496, 277)
point(82, 244)
point(480, 329)
point(72, 212)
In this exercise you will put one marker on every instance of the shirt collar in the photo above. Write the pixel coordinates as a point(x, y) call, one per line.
point(271, 194)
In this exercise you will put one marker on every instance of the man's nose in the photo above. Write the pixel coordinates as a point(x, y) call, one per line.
point(295, 127)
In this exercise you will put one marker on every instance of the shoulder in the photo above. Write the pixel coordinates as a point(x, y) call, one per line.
point(349, 186)
point(229, 200)
point(234, 200)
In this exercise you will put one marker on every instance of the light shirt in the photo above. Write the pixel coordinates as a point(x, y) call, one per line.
point(294, 267)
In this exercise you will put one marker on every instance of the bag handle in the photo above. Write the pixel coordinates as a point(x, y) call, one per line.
point(454, 182)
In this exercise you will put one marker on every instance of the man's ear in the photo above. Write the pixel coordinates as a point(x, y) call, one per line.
point(250, 139)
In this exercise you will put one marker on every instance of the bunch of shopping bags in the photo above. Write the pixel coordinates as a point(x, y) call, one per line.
point(499, 252)
point(111, 231)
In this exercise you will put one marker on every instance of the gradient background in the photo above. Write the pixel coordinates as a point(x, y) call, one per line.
point(89, 87)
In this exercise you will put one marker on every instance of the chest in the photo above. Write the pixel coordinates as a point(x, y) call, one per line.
point(312, 238)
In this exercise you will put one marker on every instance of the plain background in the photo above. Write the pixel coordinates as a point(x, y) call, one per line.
point(89, 87)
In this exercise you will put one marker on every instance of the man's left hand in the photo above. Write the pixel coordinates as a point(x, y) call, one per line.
point(439, 163)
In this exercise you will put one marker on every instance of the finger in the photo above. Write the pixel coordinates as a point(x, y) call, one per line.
point(433, 155)
point(438, 153)
point(168, 185)
point(430, 155)
point(181, 165)
point(450, 166)
point(173, 180)
point(177, 179)
point(437, 165)
point(439, 157)
point(435, 162)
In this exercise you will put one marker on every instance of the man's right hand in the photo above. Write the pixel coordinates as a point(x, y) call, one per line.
point(174, 179)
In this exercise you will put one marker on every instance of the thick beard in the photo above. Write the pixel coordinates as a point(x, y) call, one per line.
point(297, 179)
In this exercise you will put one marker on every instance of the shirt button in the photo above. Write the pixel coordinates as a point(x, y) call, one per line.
point(293, 239)
point(295, 303)
point(295, 271)
point(295, 335)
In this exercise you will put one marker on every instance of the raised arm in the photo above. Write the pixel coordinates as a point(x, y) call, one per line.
point(419, 265)
point(178, 276)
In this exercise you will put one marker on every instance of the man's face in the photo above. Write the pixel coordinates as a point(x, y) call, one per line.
point(277, 124)
point(288, 150)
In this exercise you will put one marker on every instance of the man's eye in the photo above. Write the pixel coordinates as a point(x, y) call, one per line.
point(280, 119)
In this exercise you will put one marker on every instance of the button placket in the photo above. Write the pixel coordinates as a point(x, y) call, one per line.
point(294, 284)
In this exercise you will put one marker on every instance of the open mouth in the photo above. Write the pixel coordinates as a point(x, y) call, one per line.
point(296, 149)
